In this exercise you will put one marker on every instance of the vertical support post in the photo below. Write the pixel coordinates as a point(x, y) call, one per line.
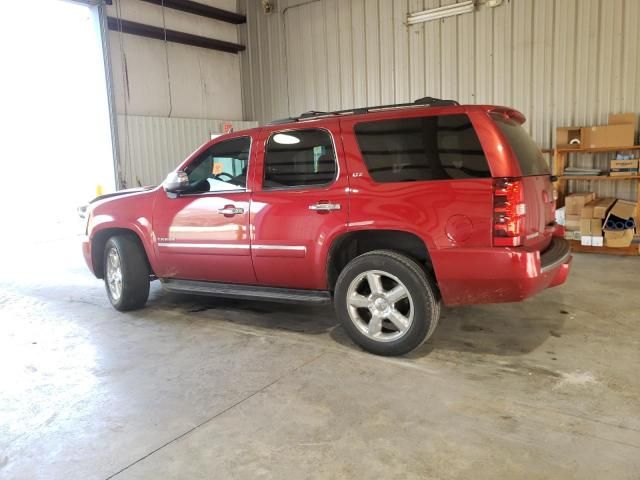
point(101, 11)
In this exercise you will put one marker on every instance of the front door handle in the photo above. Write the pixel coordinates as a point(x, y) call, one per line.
point(230, 211)
point(324, 206)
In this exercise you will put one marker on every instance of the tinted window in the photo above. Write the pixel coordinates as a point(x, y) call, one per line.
point(421, 148)
point(221, 167)
point(529, 155)
point(299, 158)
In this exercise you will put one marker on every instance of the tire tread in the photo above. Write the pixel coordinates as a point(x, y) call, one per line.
point(135, 272)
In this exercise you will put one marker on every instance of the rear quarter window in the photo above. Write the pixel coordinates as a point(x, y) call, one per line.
point(421, 148)
point(524, 148)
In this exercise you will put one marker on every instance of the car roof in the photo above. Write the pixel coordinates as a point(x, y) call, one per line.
point(428, 104)
point(436, 107)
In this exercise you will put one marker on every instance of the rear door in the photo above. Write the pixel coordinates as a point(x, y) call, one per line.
point(536, 182)
point(299, 204)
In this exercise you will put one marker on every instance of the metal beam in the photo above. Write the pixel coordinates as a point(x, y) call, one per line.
point(158, 33)
point(203, 10)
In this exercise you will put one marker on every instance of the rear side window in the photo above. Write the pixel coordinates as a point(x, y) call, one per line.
point(421, 148)
point(299, 158)
point(527, 152)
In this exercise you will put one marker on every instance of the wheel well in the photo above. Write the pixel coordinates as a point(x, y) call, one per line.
point(99, 242)
point(350, 245)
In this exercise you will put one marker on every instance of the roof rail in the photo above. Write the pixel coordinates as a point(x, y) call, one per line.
point(425, 101)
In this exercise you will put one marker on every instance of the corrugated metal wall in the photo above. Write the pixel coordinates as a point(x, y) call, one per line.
point(167, 95)
point(560, 62)
point(151, 147)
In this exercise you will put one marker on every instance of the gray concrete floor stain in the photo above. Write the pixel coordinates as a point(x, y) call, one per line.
point(194, 387)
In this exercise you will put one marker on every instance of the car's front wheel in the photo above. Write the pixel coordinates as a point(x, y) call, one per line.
point(386, 302)
point(126, 273)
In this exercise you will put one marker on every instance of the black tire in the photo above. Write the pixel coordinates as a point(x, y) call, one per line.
point(134, 272)
point(422, 291)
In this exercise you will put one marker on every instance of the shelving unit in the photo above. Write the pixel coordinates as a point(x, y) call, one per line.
point(560, 163)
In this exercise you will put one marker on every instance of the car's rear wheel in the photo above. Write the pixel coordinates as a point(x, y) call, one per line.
point(126, 273)
point(387, 302)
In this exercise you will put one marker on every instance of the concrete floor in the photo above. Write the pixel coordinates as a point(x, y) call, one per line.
point(202, 388)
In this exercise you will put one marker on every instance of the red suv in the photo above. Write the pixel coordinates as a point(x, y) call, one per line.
point(387, 211)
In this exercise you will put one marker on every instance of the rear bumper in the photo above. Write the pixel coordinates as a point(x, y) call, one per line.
point(469, 276)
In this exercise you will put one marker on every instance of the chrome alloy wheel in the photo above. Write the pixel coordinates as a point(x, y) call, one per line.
point(114, 274)
point(380, 306)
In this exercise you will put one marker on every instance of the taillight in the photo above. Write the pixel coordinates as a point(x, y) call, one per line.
point(508, 212)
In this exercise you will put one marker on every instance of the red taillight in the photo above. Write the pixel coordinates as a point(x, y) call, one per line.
point(508, 212)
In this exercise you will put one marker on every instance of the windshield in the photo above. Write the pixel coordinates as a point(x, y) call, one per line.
point(527, 152)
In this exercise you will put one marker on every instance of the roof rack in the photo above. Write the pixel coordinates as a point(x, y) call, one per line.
point(425, 101)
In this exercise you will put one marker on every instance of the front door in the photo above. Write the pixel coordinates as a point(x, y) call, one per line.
point(203, 233)
point(299, 205)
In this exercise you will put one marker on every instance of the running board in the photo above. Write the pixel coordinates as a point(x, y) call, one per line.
point(247, 292)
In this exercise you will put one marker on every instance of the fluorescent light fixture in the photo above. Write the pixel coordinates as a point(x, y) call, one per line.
point(284, 139)
point(442, 12)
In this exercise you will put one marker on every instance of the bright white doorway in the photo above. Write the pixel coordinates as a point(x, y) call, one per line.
point(56, 148)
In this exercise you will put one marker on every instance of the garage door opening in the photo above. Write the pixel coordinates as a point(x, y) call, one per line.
point(56, 149)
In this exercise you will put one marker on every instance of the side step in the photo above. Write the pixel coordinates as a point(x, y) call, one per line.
point(247, 292)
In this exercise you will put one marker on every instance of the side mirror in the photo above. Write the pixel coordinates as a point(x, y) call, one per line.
point(176, 182)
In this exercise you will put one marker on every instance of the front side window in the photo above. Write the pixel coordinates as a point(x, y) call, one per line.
point(222, 167)
point(421, 148)
point(298, 158)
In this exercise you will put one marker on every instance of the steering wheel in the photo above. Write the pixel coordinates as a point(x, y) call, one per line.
point(223, 174)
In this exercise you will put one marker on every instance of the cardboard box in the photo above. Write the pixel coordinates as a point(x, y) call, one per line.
point(590, 226)
point(572, 222)
point(586, 240)
point(619, 168)
point(587, 210)
point(619, 238)
point(624, 209)
point(622, 119)
point(573, 203)
point(565, 135)
point(607, 136)
point(602, 207)
point(572, 235)
point(597, 241)
point(620, 132)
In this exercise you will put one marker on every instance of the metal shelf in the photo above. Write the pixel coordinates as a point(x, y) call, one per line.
point(559, 164)
point(596, 149)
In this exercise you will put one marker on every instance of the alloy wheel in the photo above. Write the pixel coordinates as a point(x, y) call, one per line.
point(114, 274)
point(380, 306)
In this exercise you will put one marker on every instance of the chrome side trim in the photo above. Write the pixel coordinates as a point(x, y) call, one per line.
point(231, 245)
point(297, 248)
point(204, 245)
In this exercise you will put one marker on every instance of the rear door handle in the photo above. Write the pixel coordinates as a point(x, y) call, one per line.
point(324, 206)
point(230, 211)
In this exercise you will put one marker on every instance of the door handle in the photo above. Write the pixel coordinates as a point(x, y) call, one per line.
point(324, 207)
point(230, 210)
